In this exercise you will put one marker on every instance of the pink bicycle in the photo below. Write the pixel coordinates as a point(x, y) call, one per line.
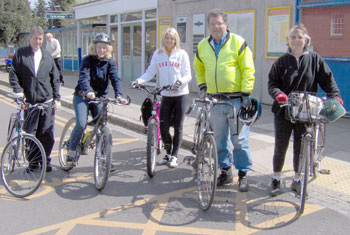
point(154, 140)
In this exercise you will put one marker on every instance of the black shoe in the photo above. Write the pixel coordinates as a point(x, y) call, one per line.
point(113, 168)
point(70, 159)
point(48, 167)
point(275, 187)
point(296, 187)
point(243, 184)
point(225, 177)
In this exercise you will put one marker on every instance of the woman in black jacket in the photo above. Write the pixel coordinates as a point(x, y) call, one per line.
point(297, 70)
point(97, 69)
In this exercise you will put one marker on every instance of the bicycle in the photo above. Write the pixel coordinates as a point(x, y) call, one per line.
point(154, 141)
point(102, 143)
point(305, 107)
point(23, 160)
point(205, 150)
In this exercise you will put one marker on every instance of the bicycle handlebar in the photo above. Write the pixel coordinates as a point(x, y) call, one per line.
point(155, 91)
point(209, 101)
point(20, 100)
point(117, 101)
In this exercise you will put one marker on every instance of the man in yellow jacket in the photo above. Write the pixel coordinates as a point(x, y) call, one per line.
point(225, 70)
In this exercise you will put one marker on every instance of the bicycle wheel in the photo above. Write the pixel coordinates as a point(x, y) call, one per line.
point(151, 148)
point(23, 165)
point(304, 166)
point(207, 162)
point(63, 145)
point(103, 156)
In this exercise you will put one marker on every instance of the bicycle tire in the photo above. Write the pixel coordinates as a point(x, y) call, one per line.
point(23, 165)
point(63, 145)
point(151, 148)
point(304, 170)
point(103, 157)
point(207, 162)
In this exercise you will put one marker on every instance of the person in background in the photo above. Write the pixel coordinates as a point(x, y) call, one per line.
point(35, 76)
point(296, 70)
point(53, 46)
point(225, 70)
point(174, 69)
point(96, 70)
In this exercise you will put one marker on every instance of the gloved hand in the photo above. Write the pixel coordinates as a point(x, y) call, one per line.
point(176, 85)
point(134, 84)
point(202, 93)
point(282, 98)
point(340, 100)
point(246, 101)
point(57, 105)
point(90, 95)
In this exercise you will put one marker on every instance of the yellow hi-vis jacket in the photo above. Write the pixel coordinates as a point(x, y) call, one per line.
point(231, 72)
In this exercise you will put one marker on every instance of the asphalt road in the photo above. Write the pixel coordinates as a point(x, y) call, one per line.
point(132, 203)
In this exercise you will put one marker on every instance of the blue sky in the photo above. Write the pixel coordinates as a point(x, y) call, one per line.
point(32, 3)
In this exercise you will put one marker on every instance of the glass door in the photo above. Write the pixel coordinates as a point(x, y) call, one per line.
point(131, 52)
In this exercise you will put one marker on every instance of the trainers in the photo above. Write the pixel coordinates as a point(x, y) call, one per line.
point(71, 156)
point(243, 184)
point(113, 168)
point(164, 160)
point(173, 162)
point(225, 177)
point(275, 187)
point(48, 167)
point(194, 169)
point(296, 187)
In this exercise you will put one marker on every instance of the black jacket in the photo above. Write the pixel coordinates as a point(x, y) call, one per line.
point(40, 88)
point(287, 75)
point(95, 74)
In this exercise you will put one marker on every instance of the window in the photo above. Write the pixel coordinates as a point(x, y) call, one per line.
point(337, 25)
point(131, 16)
point(151, 14)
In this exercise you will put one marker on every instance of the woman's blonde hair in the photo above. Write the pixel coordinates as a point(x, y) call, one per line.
point(174, 34)
point(92, 50)
point(303, 30)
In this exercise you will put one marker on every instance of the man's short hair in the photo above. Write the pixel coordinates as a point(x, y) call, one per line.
point(218, 12)
point(36, 29)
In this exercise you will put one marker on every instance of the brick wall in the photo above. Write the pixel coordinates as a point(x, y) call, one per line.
point(318, 22)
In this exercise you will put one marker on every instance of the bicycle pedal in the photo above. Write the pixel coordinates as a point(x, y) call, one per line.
point(325, 172)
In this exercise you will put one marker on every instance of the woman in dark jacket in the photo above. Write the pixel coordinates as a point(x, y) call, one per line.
point(297, 70)
point(97, 69)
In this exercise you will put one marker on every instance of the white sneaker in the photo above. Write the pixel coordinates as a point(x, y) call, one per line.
point(172, 162)
point(164, 160)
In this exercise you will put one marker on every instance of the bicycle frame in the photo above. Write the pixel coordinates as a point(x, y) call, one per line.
point(155, 115)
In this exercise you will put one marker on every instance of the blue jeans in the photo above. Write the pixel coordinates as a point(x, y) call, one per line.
point(226, 131)
point(81, 108)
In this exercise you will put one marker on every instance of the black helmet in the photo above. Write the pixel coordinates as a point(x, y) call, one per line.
point(101, 37)
point(251, 114)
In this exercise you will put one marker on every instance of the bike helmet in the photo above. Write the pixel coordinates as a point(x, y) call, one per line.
point(101, 37)
point(251, 114)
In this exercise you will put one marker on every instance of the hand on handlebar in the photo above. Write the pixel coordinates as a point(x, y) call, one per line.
point(134, 84)
point(282, 98)
point(122, 100)
point(90, 95)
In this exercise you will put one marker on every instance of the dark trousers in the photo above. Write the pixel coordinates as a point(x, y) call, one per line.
point(172, 111)
point(41, 122)
point(283, 131)
point(59, 67)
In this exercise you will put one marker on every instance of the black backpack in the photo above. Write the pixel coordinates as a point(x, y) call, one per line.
point(146, 110)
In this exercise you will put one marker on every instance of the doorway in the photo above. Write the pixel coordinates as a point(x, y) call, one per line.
point(131, 52)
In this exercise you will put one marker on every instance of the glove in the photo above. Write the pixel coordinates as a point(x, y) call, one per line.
point(57, 105)
point(246, 101)
point(282, 98)
point(176, 85)
point(202, 93)
point(90, 95)
point(134, 84)
point(340, 100)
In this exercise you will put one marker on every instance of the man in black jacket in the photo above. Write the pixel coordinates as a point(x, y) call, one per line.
point(34, 73)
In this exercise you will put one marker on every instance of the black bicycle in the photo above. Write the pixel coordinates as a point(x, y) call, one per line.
point(23, 160)
point(98, 137)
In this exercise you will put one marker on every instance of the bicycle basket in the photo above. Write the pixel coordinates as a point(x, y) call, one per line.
point(305, 109)
point(146, 110)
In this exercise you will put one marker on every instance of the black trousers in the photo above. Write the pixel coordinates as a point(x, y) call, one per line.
point(283, 131)
point(41, 122)
point(59, 67)
point(172, 111)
